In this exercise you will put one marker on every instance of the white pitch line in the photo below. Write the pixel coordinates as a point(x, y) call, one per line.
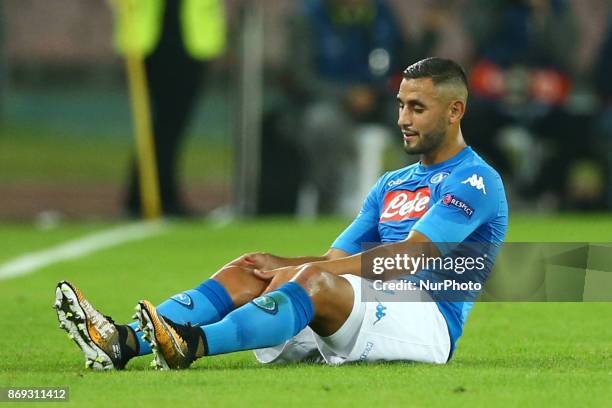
point(80, 247)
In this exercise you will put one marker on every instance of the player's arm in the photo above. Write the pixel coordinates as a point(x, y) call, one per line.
point(266, 261)
point(331, 254)
point(415, 245)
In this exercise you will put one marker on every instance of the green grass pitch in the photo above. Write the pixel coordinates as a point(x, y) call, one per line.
point(511, 354)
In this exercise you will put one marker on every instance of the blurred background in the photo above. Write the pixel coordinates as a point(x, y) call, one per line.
point(288, 106)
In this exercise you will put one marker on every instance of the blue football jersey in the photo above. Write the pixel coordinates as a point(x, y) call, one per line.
point(461, 200)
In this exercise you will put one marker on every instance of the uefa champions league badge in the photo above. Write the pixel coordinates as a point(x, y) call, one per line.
point(438, 177)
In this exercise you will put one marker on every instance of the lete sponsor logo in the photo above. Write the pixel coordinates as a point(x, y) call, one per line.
point(404, 204)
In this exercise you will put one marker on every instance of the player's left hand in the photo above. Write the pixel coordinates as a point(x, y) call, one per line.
point(256, 260)
point(277, 277)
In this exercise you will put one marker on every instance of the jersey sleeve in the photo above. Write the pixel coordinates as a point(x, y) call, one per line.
point(364, 227)
point(469, 198)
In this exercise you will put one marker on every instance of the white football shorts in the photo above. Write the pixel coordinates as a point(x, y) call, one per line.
point(374, 331)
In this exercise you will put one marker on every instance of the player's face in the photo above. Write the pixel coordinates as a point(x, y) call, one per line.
point(422, 116)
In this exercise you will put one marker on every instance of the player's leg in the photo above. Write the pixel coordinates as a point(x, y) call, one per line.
point(209, 302)
point(312, 297)
point(107, 345)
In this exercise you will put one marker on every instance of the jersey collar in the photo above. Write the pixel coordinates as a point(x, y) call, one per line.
point(463, 153)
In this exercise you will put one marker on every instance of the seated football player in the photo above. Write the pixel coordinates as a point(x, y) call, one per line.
point(314, 308)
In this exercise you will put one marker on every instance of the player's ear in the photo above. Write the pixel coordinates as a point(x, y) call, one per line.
point(456, 111)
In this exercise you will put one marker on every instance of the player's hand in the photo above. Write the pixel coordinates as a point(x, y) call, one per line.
point(270, 274)
point(277, 277)
point(256, 260)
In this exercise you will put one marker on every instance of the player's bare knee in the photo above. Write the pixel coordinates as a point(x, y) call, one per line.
point(315, 280)
point(241, 284)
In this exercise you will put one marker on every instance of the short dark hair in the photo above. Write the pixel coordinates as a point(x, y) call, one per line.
point(440, 71)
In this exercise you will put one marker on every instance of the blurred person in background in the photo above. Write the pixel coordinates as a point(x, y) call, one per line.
point(343, 54)
point(178, 39)
point(522, 77)
point(331, 102)
point(603, 86)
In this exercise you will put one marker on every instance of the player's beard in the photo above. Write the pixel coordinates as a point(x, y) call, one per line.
point(428, 142)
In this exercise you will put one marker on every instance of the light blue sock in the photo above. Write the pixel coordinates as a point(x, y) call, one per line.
point(208, 303)
point(266, 321)
point(143, 346)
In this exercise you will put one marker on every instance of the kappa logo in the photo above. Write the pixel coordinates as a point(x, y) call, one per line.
point(401, 205)
point(476, 181)
point(267, 304)
point(380, 312)
point(184, 299)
